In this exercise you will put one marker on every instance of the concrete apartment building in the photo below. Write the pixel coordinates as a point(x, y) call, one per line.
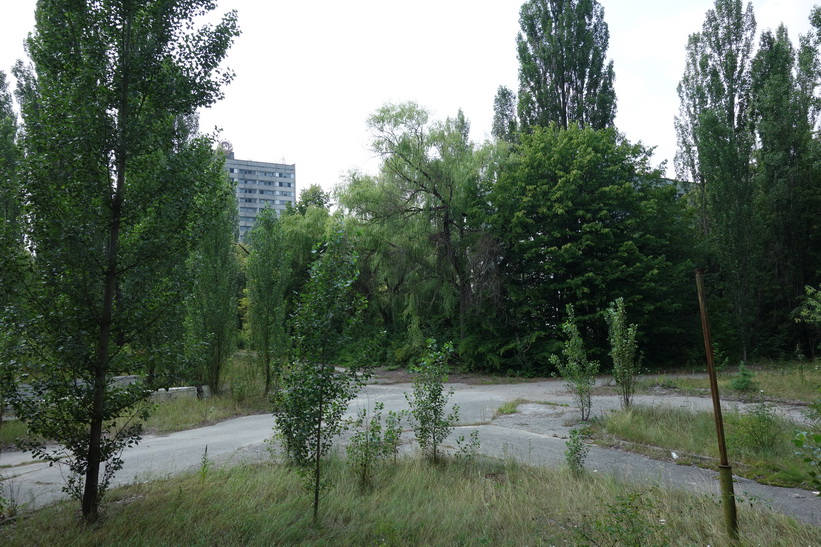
point(259, 184)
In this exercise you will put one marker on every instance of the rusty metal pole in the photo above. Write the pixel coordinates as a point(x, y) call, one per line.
point(725, 472)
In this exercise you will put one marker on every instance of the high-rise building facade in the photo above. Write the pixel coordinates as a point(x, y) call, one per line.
point(259, 184)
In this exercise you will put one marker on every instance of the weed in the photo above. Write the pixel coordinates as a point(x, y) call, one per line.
point(632, 519)
point(757, 432)
point(577, 449)
point(468, 448)
point(491, 501)
point(205, 465)
point(372, 441)
point(510, 407)
point(809, 448)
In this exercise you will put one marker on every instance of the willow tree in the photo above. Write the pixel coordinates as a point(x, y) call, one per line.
point(114, 188)
point(422, 234)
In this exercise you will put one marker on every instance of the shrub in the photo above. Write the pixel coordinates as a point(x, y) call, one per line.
point(744, 380)
point(373, 441)
point(623, 350)
point(577, 449)
point(578, 372)
point(428, 400)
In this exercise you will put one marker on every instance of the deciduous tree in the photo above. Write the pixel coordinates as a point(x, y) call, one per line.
point(268, 273)
point(564, 75)
point(310, 408)
point(113, 188)
point(211, 320)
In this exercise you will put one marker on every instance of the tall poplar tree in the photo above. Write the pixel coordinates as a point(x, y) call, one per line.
point(268, 273)
point(715, 151)
point(564, 75)
point(785, 111)
point(113, 188)
point(213, 268)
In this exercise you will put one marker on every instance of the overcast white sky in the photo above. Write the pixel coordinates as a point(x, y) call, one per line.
point(308, 74)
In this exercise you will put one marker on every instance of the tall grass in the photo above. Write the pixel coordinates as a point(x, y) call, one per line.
point(759, 442)
point(412, 503)
point(793, 382)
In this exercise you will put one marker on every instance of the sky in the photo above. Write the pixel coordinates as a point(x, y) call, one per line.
point(309, 74)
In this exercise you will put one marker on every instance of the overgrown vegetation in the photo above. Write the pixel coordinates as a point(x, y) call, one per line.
point(759, 442)
point(623, 350)
point(309, 409)
point(577, 449)
point(786, 382)
point(578, 372)
point(373, 440)
point(484, 502)
point(428, 399)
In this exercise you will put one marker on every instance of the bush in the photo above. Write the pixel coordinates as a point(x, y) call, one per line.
point(744, 380)
point(579, 373)
point(373, 441)
point(623, 350)
point(428, 400)
point(577, 449)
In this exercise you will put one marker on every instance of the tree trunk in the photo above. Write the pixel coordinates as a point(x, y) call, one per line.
point(91, 493)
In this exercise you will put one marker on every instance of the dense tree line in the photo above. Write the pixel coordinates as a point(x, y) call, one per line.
point(118, 236)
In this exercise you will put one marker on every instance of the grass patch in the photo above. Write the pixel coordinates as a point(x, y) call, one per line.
point(759, 443)
point(10, 431)
point(793, 382)
point(189, 412)
point(411, 503)
point(512, 407)
point(167, 416)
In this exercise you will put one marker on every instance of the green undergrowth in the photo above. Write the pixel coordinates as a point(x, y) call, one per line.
point(10, 431)
point(189, 412)
point(487, 502)
point(759, 443)
point(793, 382)
point(168, 416)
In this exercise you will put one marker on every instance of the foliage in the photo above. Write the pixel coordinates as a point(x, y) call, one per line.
point(309, 410)
point(268, 274)
point(632, 519)
point(117, 190)
point(427, 265)
point(211, 318)
point(491, 502)
point(744, 380)
point(578, 372)
point(623, 349)
point(577, 449)
point(758, 439)
point(312, 196)
point(505, 125)
point(372, 441)
point(468, 449)
point(564, 77)
point(583, 219)
point(428, 400)
point(757, 431)
point(809, 448)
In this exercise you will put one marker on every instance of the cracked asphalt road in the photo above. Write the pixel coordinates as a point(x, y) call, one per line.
point(535, 435)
